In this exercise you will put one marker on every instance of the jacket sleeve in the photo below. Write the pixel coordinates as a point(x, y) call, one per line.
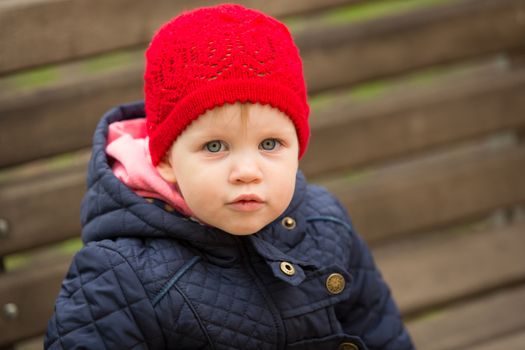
point(102, 305)
point(371, 313)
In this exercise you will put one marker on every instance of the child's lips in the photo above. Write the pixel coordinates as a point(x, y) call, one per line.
point(246, 202)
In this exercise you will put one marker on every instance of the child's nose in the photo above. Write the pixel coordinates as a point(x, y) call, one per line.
point(245, 170)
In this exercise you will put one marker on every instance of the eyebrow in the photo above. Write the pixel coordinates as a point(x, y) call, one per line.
point(225, 133)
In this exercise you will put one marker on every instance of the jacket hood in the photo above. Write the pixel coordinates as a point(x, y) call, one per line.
point(130, 160)
point(110, 209)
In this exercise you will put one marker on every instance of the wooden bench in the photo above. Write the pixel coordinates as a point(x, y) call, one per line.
point(417, 119)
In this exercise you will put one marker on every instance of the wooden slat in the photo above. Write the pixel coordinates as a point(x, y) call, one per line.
point(47, 113)
point(33, 291)
point(472, 324)
point(436, 269)
point(347, 134)
point(41, 211)
point(30, 344)
point(77, 28)
point(348, 54)
point(433, 192)
point(514, 341)
point(472, 27)
point(62, 119)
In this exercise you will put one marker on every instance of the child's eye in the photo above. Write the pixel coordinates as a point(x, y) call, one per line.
point(269, 144)
point(215, 146)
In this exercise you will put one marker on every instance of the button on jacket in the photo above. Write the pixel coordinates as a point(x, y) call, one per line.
point(149, 278)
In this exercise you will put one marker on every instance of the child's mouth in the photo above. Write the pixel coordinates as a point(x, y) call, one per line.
point(246, 203)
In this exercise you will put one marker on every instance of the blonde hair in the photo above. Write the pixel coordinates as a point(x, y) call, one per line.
point(235, 110)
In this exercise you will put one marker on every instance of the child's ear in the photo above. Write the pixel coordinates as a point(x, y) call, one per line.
point(166, 171)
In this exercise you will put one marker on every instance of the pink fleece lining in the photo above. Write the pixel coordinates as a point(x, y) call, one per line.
point(128, 146)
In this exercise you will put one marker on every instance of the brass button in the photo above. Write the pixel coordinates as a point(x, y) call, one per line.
point(287, 268)
point(335, 283)
point(348, 346)
point(169, 208)
point(288, 223)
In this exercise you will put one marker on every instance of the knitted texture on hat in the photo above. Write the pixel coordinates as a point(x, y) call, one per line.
point(215, 55)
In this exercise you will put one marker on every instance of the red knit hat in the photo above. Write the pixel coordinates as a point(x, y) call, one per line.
point(216, 55)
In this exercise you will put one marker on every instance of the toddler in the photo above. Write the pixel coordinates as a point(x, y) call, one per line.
point(199, 230)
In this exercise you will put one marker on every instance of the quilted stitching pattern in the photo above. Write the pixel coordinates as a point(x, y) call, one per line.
point(101, 291)
point(231, 298)
point(236, 315)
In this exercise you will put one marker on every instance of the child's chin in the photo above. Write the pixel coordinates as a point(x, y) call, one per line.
point(243, 231)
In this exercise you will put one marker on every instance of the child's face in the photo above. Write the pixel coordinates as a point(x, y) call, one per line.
point(236, 166)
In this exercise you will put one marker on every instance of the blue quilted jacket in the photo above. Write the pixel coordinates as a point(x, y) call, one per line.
point(152, 279)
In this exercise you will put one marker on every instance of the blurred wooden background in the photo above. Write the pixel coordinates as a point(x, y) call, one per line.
point(418, 118)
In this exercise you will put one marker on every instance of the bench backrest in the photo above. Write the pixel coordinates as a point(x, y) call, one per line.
point(402, 108)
